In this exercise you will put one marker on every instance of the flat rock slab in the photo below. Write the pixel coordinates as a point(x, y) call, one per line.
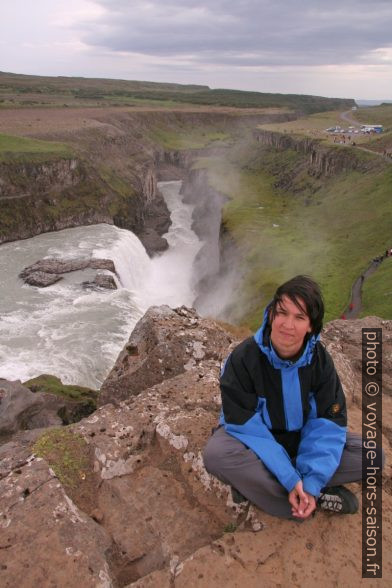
point(45, 539)
point(325, 551)
point(45, 272)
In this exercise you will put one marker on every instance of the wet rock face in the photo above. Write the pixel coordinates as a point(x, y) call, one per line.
point(41, 279)
point(164, 343)
point(153, 243)
point(102, 281)
point(145, 512)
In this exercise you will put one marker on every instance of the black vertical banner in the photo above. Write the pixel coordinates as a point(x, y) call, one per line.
point(371, 453)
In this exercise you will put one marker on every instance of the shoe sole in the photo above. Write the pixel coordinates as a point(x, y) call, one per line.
point(339, 501)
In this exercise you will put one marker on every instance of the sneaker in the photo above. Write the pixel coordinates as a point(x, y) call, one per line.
point(338, 499)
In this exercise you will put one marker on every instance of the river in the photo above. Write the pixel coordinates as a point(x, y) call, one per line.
point(76, 333)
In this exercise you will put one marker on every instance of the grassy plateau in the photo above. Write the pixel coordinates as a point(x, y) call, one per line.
point(27, 149)
point(18, 90)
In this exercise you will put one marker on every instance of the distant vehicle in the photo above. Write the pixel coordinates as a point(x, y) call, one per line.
point(335, 130)
point(372, 128)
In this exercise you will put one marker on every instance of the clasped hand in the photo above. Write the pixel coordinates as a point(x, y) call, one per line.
point(303, 504)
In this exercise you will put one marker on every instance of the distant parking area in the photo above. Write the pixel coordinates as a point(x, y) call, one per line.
point(352, 134)
point(348, 128)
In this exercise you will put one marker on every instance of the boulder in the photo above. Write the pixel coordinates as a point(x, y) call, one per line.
point(164, 343)
point(343, 340)
point(17, 407)
point(66, 402)
point(33, 406)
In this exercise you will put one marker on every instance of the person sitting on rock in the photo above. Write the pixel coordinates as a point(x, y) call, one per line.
point(282, 441)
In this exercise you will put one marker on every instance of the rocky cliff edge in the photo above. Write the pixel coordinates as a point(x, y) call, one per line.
point(121, 498)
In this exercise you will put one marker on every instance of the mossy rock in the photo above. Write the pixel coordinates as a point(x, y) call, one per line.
point(81, 401)
point(53, 385)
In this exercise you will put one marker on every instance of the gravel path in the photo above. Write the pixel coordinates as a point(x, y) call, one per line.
point(355, 305)
point(347, 116)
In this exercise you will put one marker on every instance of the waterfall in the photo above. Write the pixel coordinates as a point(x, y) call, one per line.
point(77, 334)
point(130, 259)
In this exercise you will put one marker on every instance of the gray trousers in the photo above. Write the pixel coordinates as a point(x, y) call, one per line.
point(233, 463)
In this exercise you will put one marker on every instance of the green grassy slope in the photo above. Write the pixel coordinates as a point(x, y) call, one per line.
point(191, 137)
point(377, 115)
point(329, 227)
point(377, 291)
point(25, 149)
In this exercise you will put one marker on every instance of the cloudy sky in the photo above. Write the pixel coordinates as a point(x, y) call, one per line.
point(325, 47)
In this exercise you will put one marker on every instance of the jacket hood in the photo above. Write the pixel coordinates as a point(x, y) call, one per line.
point(271, 354)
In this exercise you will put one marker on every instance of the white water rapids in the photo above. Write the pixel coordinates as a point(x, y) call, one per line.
point(75, 333)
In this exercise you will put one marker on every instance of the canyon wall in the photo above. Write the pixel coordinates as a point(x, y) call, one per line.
point(54, 195)
point(323, 159)
point(112, 176)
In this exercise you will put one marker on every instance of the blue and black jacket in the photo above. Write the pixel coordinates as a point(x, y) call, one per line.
point(292, 414)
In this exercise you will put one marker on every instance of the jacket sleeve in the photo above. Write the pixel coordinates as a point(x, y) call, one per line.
point(242, 418)
point(324, 435)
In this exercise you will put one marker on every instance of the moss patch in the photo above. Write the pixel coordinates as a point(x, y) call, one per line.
point(230, 528)
point(118, 184)
point(53, 385)
point(66, 453)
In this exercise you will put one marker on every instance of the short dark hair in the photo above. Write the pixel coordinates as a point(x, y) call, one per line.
point(306, 288)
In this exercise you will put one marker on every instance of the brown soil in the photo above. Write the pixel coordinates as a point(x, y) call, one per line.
point(41, 121)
